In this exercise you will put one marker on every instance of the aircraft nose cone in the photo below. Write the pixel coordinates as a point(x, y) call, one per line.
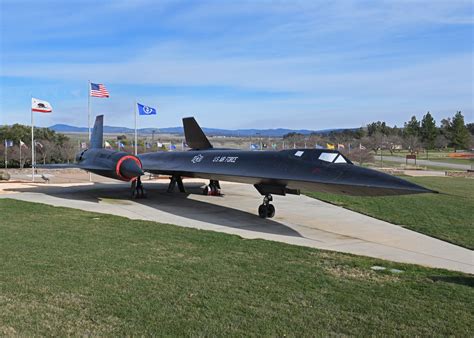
point(395, 184)
point(376, 183)
point(130, 168)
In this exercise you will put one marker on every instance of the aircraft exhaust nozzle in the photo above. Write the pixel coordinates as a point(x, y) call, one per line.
point(129, 167)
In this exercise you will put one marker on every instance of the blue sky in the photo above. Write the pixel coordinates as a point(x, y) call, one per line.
point(238, 64)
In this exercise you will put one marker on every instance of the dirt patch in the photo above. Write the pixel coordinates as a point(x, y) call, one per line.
point(341, 271)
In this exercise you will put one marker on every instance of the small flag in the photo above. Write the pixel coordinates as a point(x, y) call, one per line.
point(83, 145)
point(330, 146)
point(38, 144)
point(361, 147)
point(147, 145)
point(340, 146)
point(40, 106)
point(22, 144)
point(107, 144)
point(159, 144)
point(120, 145)
point(145, 110)
point(98, 90)
point(172, 146)
point(317, 146)
point(8, 143)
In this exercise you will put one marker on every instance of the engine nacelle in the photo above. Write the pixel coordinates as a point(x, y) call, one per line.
point(110, 163)
point(128, 168)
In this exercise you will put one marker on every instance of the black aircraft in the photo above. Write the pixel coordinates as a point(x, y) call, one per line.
point(270, 172)
point(106, 162)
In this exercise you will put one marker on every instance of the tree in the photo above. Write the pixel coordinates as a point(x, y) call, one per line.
point(441, 142)
point(360, 155)
point(412, 127)
point(460, 137)
point(394, 143)
point(470, 127)
point(428, 131)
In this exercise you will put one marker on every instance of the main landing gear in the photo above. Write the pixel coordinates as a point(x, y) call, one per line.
point(213, 189)
point(266, 210)
point(137, 189)
point(176, 180)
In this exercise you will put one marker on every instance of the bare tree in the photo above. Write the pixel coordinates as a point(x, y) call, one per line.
point(360, 156)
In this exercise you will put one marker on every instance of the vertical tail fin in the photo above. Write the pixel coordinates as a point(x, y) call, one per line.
point(194, 135)
point(97, 136)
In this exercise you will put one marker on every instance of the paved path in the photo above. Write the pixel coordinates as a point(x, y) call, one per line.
point(428, 162)
point(299, 220)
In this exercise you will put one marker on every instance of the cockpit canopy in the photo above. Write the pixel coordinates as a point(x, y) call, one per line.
point(325, 155)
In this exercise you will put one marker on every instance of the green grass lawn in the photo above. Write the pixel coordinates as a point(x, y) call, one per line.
point(69, 272)
point(435, 156)
point(397, 165)
point(453, 160)
point(448, 215)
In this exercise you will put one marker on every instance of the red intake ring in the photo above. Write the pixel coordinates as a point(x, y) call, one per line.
point(119, 163)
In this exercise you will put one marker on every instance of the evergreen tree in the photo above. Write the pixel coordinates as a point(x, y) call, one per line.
point(412, 127)
point(428, 131)
point(459, 133)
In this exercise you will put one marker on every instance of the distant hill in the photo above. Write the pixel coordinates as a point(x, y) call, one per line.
point(279, 132)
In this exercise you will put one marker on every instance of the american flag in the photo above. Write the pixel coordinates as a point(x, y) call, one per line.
point(98, 90)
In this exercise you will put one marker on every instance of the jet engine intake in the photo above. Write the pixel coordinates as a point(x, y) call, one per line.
point(128, 168)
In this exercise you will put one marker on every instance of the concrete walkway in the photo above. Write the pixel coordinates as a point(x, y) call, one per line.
point(299, 220)
point(399, 159)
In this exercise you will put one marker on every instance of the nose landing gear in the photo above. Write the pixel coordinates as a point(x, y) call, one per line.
point(266, 210)
point(137, 189)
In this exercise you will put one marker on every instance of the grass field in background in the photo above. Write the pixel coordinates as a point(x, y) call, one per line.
point(436, 156)
point(69, 272)
point(397, 165)
point(448, 215)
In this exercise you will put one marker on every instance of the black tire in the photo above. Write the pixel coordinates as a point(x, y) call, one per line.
point(270, 210)
point(263, 211)
point(205, 191)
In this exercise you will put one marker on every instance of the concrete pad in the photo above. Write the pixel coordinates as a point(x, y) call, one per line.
point(299, 220)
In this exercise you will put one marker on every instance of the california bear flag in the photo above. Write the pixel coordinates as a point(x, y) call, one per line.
point(40, 106)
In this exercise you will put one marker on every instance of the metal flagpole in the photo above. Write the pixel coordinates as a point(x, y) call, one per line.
point(89, 110)
point(32, 144)
point(89, 118)
point(6, 161)
point(20, 154)
point(136, 137)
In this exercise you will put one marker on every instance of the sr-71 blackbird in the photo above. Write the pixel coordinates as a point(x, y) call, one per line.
point(271, 172)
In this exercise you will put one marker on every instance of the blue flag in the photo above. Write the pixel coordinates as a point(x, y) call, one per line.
point(145, 110)
point(8, 143)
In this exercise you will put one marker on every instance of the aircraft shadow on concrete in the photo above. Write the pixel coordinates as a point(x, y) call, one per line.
point(461, 280)
point(175, 203)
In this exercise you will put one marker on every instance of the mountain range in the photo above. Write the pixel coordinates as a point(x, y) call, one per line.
point(279, 132)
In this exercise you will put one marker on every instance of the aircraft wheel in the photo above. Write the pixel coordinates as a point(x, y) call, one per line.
point(214, 190)
point(206, 190)
point(263, 211)
point(270, 210)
